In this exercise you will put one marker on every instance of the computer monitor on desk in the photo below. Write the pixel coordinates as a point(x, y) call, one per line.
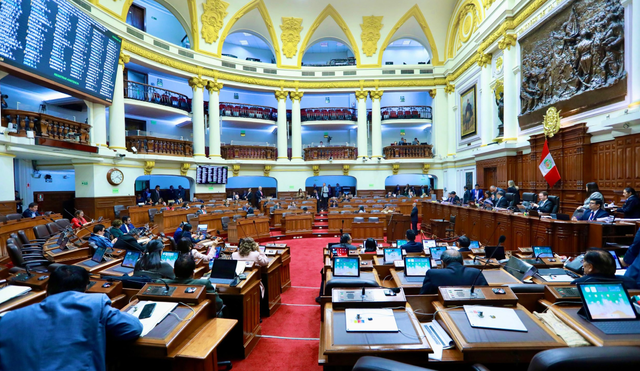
point(496, 252)
point(346, 267)
point(427, 244)
point(542, 252)
point(436, 253)
point(392, 254)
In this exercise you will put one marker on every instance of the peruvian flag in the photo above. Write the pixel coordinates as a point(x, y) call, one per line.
point(548, 167)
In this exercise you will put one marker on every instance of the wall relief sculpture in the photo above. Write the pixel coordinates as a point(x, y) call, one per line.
point(574, 61)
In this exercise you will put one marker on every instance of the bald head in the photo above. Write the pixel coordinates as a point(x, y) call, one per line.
point(451, 256)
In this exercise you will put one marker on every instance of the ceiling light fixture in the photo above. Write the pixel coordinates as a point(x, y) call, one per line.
point(247, 34)
point(244, 42)
point(406, 42)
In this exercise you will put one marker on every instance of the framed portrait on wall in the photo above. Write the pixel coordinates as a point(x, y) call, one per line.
point(468, 113)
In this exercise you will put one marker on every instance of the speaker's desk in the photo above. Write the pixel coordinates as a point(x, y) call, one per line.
point(243, 228)
point(341, 348)
point(491, 346)
point(294, 224)
point(569, 315)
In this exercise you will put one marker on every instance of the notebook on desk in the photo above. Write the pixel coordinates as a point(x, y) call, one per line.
point(607, 307)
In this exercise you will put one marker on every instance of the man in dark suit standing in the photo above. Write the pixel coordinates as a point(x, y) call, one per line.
point(414, 218)
point(477, 193)
point(452, 274)
point(250, 197)
point(155, 195)
point(545, 205)
point(466, 197)
point(259, 196)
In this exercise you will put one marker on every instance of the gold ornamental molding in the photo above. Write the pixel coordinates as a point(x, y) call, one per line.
point(196, 82)
point(267, 170)
point(148, 167)
point(487, 3)
point(465, 24)
point(214, 86)
point(425, 168)
point(361, 94)
point(396, 169)
point(124, 59)
point(345, 169)
point(281, 94)
point(291, 28)
point(551, 122)
point(296, 95)
point(184, 168)
point(484, 60)
point(236, 169)
point(507, 41)
point(316, 170)
point(213, 19)
point(370, 36)
point(376, 94)
point(433, 93)
point(450, 88)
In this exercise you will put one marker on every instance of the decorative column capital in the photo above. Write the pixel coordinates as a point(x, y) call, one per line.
point(361, 94)
point(184, 168)
point(267, 170)
point(296, 95)
point(148, 167)
point(214, 86)
point(396, 168)
point(123, 59)
point(507, 41)
point(281, 94)
point(236, 169)
point(376, 94)
point(316, 170)
point(450, 88)
point(433, 93)
point(196, 82)
point(484, 59)
point(425, 168)
point(345, 169)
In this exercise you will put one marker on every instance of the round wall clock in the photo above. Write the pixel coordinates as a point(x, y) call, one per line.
point(115, 176)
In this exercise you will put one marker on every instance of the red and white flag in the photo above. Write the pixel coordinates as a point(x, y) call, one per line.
point(548, 167)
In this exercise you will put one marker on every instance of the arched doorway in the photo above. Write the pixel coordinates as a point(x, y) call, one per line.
point(241, 184)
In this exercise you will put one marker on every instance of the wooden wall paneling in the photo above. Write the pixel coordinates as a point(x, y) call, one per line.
point(521, 232)
point(9, 207)
point(220, 196)
point(95, 207)
point(57, 201)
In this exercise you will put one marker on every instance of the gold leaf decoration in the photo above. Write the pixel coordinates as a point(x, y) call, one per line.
point(213, 19)
point(184, 168)
point(281, 94)
point(267, 170)
point(345, 169)
point(507, 41)
point(236, 169)
point(148, 167)
point(123, 59)
point(484, 59)
point(425, 168)
point(316, 170)
point(290, 36)
point(371, 26)
point(551, 122)
point(449, 88)
point(433, 93)
point(376, 94)
point(396, 169)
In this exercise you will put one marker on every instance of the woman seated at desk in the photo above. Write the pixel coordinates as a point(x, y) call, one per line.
point(248, 251)
point(301, 194)
point(151, 264)
point(185, 246)
point(115, 230)
point(387, 210)
point(79, 221)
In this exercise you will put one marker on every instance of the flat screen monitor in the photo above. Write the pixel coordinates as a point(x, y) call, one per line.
point(474, 245)
point(61, 46)
point(346, 267)
point(436, 252)
point(542, 252)
point(169, 257)
point(202, 228)
point(498, 254)
point(401, 242)
point(606, 301)
point(427, 244)
point(212, 174)
point(130, 259)
point(416, 266)
point(392, 254)
point(97, 256)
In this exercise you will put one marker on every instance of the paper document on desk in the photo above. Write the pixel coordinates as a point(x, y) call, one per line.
point(494, 318)
point(437, 335)
point(11, 291)
point(161, 310)
point(558, 278)
point(370, 319)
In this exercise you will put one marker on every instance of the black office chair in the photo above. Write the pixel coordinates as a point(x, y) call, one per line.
point(225, 222)
point(14, 216)
point(358, 220)
point(529, 197)
point(24, 260)
point(117, 209)
point(53, 228)
point(41, 231)
point(556, 204)
point(63, 223)
point(172, 243)
point(22, 245)
point(26, 241)
point(373, 219)
point(511, 198)
point(3, 218)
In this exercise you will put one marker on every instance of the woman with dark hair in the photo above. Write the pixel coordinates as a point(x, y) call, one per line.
point(186, 232)
point(370, 245)
point(79, 220)
point(151, 264)
point(631, 207)
point(593, 193)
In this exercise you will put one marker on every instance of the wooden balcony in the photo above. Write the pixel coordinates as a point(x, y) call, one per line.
point(406, 113)
point(324, 114)
point(159, 146)
point(410, 151)
point(153, 94)
point(239, 152)
point(326, 153)
point(247, 111)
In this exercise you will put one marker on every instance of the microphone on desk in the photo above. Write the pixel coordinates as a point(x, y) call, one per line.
point(166, 286)
point(256, 228)
point(475, 280)
point(341, 228)
point(242, 229)
point(26, 267)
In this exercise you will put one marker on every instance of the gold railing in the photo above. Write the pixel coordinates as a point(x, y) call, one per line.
point(237, 152)
point(45, 126)
point(159, 146)
point(409, 151)
point(326, 153)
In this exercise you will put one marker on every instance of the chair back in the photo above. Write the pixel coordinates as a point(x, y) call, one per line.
point(358, 220)
point(191, 216)
point(586, 359)
point(3, 218)
point(41, 231)
point(172, 243)
point(511, 198)
point(556, 204)
point(117, 209)
point(14, 216)
point(15, 254)
point(152, 214)
point(225, 222)
point(23, 237)
point(53, 228)
point(63, 223)
point(374, 219)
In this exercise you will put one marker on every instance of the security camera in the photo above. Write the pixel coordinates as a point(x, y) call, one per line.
point(121, 155)
point(134, 149)
point(330, 158)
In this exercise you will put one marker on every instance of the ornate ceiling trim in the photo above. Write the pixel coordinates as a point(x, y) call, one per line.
point(122, 16)
point(468, 13)
point(417, 14)
point(330, 11)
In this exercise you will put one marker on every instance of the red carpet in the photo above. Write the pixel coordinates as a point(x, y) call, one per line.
point(296, 295)
point(294, 321)
point(280, 355)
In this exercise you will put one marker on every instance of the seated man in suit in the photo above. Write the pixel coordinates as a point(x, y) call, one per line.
point(595, 211)
point(545, 205)
point(98, 238)
point(275, 207)
point(453, 199)
point(464, 243)
point(599, 266)
point(32, 211)
point(345, 241)
point(501, 200)
point(126, 226)
point(77, 323)
point(128, 242)
point(412, 245)
point(452, 274)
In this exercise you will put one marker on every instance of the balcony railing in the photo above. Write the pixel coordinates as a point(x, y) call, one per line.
point(325, 114)
point(152, 94)
point(238, 152)
point(159, 146)
point(406, 113)
point(45, 126)
point(248, 111)
point(409, 151)
point(333, 153)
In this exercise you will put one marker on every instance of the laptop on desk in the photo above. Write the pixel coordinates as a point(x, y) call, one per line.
point(223, 271)
point(416, 267)
point(608, 308)
point(542, 252)
point(96, 258)
point(346, 267)
point(129, 262)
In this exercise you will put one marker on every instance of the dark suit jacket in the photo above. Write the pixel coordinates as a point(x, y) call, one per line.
point(455, 274)
point(413, 246)
point(547, 207)
point(503, 203)
point(128, 242)
point(155, 196)
point(477, 194)
point(414, 214)
point(599, 214)
point(627, 282)
point(251, 197)
point(454, 200)
point(631, 208)
point(466, 197)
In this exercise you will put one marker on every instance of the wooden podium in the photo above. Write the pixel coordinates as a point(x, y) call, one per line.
point(293, 224)
point(246, 228)
point(397, 225)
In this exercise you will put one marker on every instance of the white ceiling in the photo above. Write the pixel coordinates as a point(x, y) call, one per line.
point(247, 39)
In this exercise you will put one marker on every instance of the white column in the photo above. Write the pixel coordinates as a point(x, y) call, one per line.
point(116, 111)
point(283, 146)
point(296, 126)
point(7, 184)
point(197, 115)
point(376, 124)
point(487, 99)
point(440, 114)
point(632, 46)
point(361, 97)
point(454, 135)
point(510, 94)
point(97, 118)
point(214, 118)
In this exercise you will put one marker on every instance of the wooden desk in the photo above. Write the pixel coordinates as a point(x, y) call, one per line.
point(335, 221)
point(410, 288)
point(294, 224)
point(340, 348)
point(139, 214)
point(285, 269)
point(397, 226)
point(438, 227)
point(601, 233)
point(99, 267)
point(214, 220)
point(361, 231)
point(271, 280)
point(499, 277)
point(243, 228)
point(168, 221)
point(569, 315)
point(29, 298)
point(487, 345)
